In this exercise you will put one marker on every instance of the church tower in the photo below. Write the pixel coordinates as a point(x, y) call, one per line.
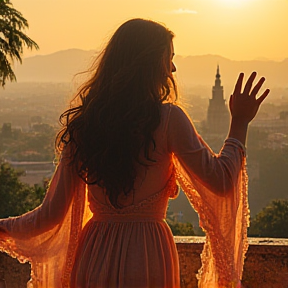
point(218, 116)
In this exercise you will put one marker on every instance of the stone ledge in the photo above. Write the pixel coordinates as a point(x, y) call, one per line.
point(266, 264)
point(251, 240)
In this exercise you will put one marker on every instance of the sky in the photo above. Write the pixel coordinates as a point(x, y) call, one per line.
point(235, 29)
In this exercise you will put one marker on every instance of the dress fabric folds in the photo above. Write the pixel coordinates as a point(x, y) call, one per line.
point(77, 239)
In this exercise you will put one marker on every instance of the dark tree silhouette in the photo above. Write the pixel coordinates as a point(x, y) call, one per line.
point(12, 39)
point(272, 221)
point(16, 197)
point(181, 229)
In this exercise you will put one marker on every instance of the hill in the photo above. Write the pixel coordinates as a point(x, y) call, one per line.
point(60, 66)
point(191, 70)
point(200, 70)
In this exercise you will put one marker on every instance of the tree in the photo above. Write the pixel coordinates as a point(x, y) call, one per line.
point(182, 229)
point(272, 221)
point(16, 197)
point(12, 39)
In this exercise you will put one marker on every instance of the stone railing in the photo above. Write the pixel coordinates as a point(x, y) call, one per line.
point(266, 264)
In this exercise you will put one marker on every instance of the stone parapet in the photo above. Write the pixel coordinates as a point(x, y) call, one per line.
point(266, 264)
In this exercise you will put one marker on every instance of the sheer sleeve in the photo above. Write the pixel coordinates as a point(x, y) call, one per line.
point(53, 209)
point(45, 236)
point(216, 186)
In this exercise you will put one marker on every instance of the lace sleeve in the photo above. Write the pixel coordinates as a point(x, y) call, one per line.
point(216, 186)
point(47, 236)
point(216, 171)
point(54, 207)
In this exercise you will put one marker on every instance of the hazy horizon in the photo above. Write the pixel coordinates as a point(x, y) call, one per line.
point(37, 53)
point(240, 30)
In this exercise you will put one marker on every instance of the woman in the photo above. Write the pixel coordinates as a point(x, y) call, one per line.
point(124, 144)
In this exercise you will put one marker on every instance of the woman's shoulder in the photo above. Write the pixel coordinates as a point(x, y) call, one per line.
point(174, 112)
point(168, 107)
point(173, 117)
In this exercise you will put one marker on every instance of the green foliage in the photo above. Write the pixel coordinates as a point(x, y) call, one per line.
point(35, 145)
point(178, 228)
point(273, 172)
point(271, 181)
point(12, 39)
point(272, 221)
point(181, 229)
point(16, 197)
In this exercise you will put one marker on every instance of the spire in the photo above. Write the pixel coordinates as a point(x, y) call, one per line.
point(217, 80)
point(218, 74)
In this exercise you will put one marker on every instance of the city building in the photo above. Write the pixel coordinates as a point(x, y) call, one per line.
point(218, 116)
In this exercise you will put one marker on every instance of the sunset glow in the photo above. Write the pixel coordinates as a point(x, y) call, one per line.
point(236, 29)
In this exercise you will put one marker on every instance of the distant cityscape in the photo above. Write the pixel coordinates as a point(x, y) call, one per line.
point(29, 115)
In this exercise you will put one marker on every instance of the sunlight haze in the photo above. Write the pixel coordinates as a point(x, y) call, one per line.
point(236, 29)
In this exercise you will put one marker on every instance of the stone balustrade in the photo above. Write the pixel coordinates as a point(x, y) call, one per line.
point(266, 264)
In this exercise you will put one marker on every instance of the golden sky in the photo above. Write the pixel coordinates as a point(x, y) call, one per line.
point(236, 29)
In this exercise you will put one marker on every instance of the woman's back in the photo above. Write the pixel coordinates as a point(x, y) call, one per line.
point(132, 246)
point(151, 178)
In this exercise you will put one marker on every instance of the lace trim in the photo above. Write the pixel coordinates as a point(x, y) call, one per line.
point(8, 246)
point(75, 230)
point(216, 243)
point(169, 190)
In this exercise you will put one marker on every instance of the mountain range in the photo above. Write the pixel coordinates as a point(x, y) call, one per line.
point(192, 71)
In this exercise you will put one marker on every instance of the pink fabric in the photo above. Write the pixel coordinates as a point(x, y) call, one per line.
point(80, 240)
point(216, 186)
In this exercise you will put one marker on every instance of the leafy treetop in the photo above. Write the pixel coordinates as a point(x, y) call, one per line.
point(12, 40)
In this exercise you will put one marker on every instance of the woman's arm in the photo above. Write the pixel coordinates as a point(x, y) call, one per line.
point(54, 207)
point(218, 172)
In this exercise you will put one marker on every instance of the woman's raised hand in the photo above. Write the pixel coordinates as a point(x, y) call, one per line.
point(244, 105)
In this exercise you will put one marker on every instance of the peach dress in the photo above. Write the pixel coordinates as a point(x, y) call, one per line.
point(77, 239)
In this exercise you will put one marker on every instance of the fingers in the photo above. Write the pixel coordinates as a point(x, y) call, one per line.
point(257, 87)
point(249, 83)
point(263, 96)
point(238, 85)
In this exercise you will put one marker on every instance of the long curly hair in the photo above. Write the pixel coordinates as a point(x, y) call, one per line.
point(113, 116)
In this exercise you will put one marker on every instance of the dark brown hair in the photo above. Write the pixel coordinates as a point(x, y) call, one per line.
point(119, 107)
